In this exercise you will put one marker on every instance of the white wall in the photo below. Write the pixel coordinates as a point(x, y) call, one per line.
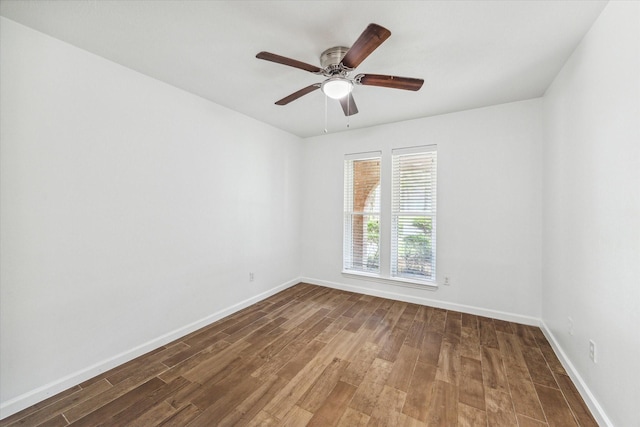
point(591, 215)
point(488, 207)
point(129, 210)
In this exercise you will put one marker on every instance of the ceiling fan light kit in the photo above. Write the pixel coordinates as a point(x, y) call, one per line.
point(337, 62)
point(337, 87)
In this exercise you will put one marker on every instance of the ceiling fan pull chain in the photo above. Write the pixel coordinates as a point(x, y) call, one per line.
point(325, 114)
point(348, 109)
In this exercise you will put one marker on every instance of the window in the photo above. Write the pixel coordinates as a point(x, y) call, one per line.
point(413, 214)
point(395, 240)
point(362, 213)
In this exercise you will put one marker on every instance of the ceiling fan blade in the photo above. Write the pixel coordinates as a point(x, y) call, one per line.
point(372, 37)
point(394, 82)
point(298, 94)
point(348, 105)
point(288, 61)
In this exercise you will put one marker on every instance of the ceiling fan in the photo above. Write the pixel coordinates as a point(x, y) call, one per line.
point(338, 62)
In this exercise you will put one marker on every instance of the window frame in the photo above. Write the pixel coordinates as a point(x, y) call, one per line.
point(429, 210)
point(349, 212)
point(385, 217)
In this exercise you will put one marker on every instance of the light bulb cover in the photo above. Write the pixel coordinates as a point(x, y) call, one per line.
point(336, 87)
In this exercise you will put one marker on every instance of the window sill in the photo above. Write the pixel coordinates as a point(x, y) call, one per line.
point(397, 281)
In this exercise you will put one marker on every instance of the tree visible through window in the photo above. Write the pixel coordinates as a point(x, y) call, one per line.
point(372, 249)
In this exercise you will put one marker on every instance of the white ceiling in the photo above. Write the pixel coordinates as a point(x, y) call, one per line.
point(470, 53)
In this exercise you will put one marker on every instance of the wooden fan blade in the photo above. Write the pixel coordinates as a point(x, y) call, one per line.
point(394, 82)
point(298, 94)
point(348, 105)
point(288, 61)
point(372, 37)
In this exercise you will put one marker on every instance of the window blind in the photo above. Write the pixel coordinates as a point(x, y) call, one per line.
point(413, 213)
point(362, 213)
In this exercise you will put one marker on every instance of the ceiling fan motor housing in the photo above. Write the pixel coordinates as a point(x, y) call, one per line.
point(330, 59)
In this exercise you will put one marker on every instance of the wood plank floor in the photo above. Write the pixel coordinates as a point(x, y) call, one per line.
point(323, 357)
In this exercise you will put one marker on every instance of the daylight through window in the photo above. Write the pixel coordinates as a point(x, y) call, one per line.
point(413, 214)
point(362, 214)
point(406, 226)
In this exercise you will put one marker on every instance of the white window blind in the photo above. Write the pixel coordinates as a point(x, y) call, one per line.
point(413, 213)
point(362, 213)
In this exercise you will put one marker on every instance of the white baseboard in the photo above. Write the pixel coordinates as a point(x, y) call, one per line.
point(39, 394)
point(596, 410)
point(478, 311)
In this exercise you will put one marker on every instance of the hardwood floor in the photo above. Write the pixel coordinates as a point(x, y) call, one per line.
point(323, 357)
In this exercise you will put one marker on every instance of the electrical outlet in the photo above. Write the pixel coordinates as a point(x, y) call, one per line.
point(251, 277)
point(447, 282)
point(592, 351)
point(570, 325)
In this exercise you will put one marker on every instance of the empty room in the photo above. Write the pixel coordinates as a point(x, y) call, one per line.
point(323, 213)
